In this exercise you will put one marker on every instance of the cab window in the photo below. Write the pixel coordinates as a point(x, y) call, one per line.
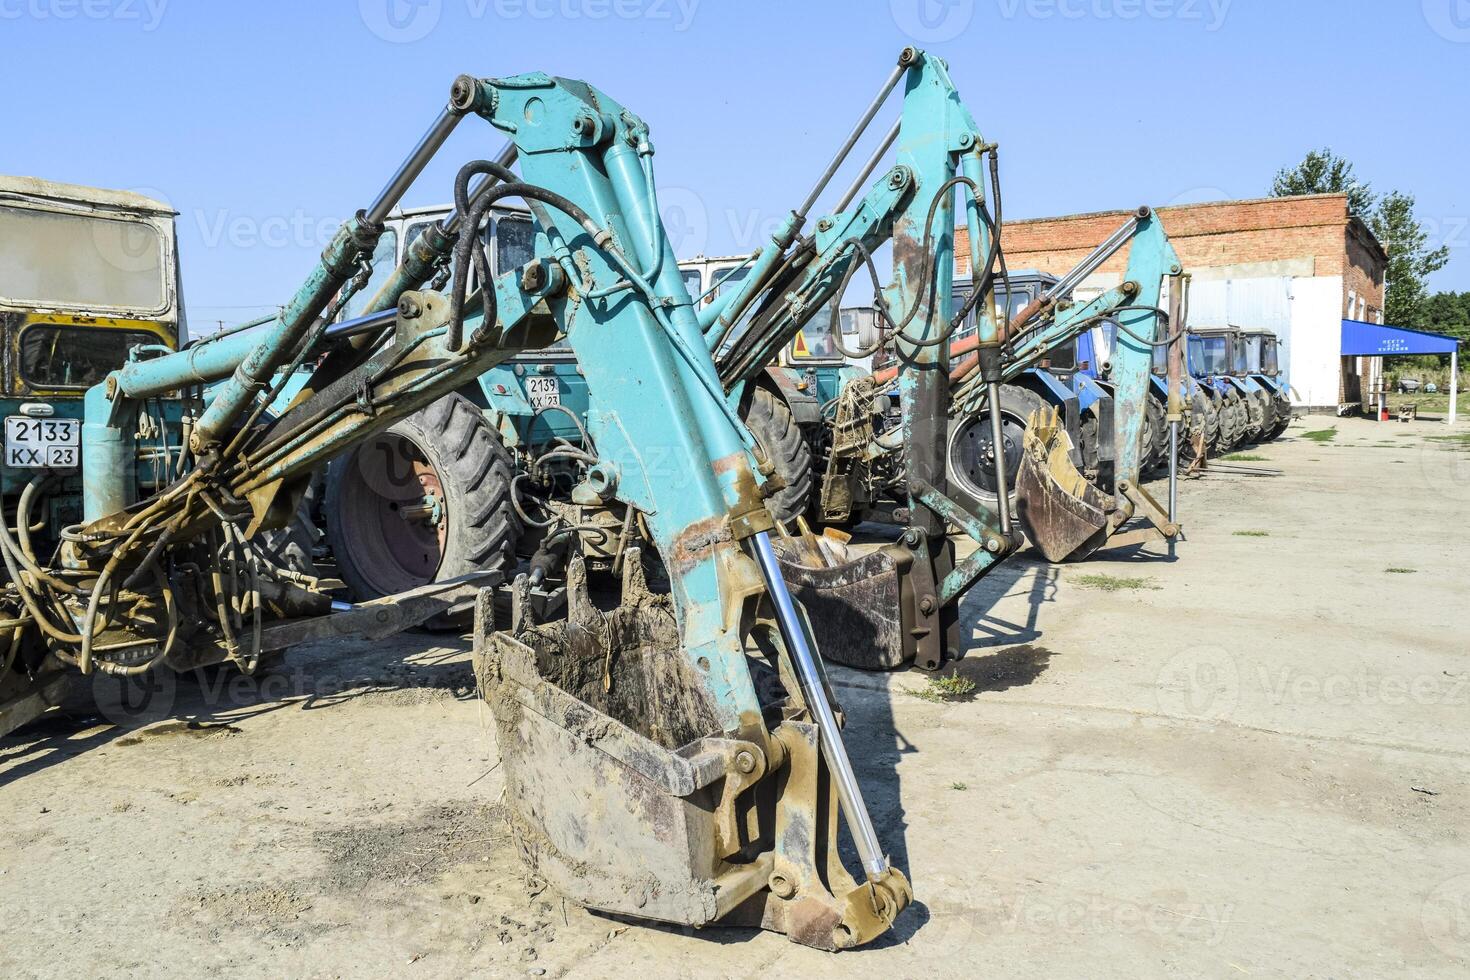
point(692, 280)
point(515, 243)
point(64, 356)
point(385, 261)
point(1252, 345)
point(1216, 351)
point(816, 335)
point(728, 278)
point(81, 261)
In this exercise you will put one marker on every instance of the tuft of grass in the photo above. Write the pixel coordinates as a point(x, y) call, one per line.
point(958, 786)
point(1401, 571)
point(1251, 534)
point(940, 690)
point(1244, 458)
point(1320, 435)
point(1459, 438)
point(1113, 583)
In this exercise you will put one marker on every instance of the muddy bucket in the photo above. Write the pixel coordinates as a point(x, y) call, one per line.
point(1062, 512)
point(625, 796)
point(860, 604)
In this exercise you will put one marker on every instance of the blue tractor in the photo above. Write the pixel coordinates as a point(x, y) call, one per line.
point(1074, 379)
point(1263, 364)
point(1217, 360)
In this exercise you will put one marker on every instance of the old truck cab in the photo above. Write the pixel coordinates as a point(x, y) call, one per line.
point(87, 276)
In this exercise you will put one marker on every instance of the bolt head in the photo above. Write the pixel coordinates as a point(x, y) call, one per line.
point(745, 761)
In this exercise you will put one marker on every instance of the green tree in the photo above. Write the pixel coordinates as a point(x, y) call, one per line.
point(1410, 259)
point(1324, 172)
point(1449, 314)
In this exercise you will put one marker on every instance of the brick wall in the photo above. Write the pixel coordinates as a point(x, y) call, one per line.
point(1226, 233)
point(1311, 236)
point(1363, 270)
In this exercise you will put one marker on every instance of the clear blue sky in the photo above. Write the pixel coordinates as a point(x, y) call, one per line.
point(264, 123)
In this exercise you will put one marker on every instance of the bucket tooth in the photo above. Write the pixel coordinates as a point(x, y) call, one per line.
point(1062, 512)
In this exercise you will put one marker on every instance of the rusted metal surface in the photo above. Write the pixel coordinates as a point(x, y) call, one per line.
point(860, 606)
point(1062, 511)
point(612, 809)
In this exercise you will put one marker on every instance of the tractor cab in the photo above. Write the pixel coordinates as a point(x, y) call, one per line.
point(1262, 352)
point(1212, 353)
point(525, 396)
point(88, 280)
point(1263, 365)
point(1219, 358)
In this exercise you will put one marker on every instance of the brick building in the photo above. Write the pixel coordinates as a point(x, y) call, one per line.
point(1298, 265)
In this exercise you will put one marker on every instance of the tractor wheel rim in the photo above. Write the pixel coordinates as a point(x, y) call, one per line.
point(394, 514)
point(972, 457)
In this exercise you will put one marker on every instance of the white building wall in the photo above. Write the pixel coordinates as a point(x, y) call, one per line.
point(1305, 311)
point(1316, 325)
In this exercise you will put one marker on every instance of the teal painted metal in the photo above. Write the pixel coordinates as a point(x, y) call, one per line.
point(202, 363)
point(679, 458)
point(521, 424)
point(354, 241)
point(1150, 258)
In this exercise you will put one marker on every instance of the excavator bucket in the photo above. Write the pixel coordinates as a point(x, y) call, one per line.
point(1061, 510)
point(624, 794)
point(861, 604)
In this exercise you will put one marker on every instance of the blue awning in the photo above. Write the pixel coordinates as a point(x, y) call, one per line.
point(1373, 340)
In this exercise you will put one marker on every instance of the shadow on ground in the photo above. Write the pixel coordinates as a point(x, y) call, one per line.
point(103, 710)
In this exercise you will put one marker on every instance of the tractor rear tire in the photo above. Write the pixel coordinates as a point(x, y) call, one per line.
point(969, 459)
point(1087, 446)
point(781, 441)
point(425, 500)
point(1156, 434)
point(1232, 422)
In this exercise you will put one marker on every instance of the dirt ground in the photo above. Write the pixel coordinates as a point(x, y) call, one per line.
point(1253, 763)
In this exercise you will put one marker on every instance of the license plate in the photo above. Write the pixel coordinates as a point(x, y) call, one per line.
point(37, 443)
point(543, 392)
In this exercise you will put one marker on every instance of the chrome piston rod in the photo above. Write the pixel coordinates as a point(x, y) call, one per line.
point(1002, 488)
point(1174, 471)
point(1097, 257)
point(852, 138)
point(814, 691)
